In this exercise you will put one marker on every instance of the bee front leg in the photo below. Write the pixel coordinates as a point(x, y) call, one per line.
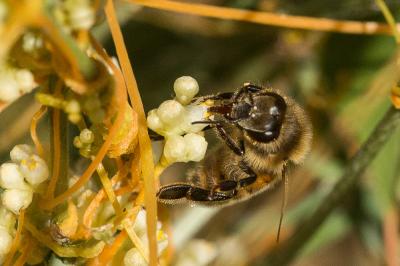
point(233, 185)
point(173, 192)
point(204, 195)
point(250, 178)
point(218, 96)
point(235, 147)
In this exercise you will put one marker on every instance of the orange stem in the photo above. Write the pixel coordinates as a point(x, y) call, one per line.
point(95, 203)
point(147, 167)
point(135, 166)
point(269, 18)
point(56, 146)
point(123, 190)
point(109, 251)
point(121, 100)
point(35, 119)
point(17, 238)
point(24, 254)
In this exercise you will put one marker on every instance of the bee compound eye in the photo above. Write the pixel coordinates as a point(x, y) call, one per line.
point(274, 111)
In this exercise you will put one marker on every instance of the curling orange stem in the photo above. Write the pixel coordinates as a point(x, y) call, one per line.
point(16, 241)
point(109, 251)
point(54, 36)
point(95, 203)
point(121, 100)
point(35, 119)
point(268, 18)
point(56, 146)
point(147, 165)
point(123, 190)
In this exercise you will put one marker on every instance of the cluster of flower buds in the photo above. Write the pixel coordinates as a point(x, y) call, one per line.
point(173, 119)
point(7, 232)
point(71, 107)
point(133, 256)
point(14, 82)
point(20, 177)
point(84, 142)
point(76, 14)
point(32, 42)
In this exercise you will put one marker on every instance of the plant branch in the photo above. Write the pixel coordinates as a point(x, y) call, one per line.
point(269, 18)
point(389, 18)
point(288, 250)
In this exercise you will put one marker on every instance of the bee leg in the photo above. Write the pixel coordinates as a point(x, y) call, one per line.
point(201, 194)
point(170, 193)
point(236, 148)
point(218, 96)
point(173, 191)
point(224, 186)
point(227, 185)
point(210, 122)
point(250, 179)
point(198, 194)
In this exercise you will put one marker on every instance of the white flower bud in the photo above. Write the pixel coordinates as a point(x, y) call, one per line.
point(8, 88)
point(196, 147)
point(196, 113)
point(77, 142)
point(134, 258)
point(171, 112)
point(7, 220)
point(5, 241)
point(140, 223)
point(34, 169)
point(86, 136)
point(185, 89)
point(72, 107)
point(31, 41)
point(16, 199)
point(82, 17)
point(21, 152)
point(74, 117)
point(11, 177)
point(162, 242)
point(25, 80)
point(175, 149)
point(153, 121)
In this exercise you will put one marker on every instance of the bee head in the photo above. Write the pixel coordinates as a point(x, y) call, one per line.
point(260, 115)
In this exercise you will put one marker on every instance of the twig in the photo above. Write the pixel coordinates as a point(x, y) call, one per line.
point(268, 18)
point(389, 18)
point(286, 252)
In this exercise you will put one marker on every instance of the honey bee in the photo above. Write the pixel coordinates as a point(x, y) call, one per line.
point(265, 132)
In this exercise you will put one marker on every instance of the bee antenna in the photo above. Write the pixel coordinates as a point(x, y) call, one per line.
point(284, 201)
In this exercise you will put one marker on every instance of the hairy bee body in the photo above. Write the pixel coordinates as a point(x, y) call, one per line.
point(264, 132)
